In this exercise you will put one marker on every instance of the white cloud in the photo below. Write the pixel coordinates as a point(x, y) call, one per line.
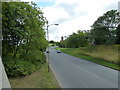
point(73, 15)
point(55, 14)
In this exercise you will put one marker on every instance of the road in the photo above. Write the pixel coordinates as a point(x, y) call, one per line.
point(72, 72)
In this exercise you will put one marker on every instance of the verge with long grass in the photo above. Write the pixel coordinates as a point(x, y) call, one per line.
point(39, 79)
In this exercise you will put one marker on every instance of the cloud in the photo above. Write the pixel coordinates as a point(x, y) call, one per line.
point(74, 15)
point(55, 14)
point(113, 5)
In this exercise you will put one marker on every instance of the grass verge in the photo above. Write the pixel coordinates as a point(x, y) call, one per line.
point(75, 52)
point(38, 79)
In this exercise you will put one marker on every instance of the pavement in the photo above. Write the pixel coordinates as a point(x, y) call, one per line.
point(73, 72)
point(4, 82)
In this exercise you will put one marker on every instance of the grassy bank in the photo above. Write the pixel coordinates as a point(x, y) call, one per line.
point(38, 79)
point(104, 55)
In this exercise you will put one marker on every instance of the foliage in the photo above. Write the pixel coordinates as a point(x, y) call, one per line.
point(104, 31)
point(21, 68)
point(118, 35)
point(23, 36)
point(52, 41)
point(75, 40)
point(39, 79)
point(104, 28)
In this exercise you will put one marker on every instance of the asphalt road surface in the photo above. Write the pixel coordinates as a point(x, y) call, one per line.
point(72, 72)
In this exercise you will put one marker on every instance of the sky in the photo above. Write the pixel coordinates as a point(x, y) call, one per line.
point(73, 15)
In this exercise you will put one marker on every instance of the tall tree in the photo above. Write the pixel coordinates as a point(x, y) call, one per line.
point(104, 28)
point(23, 32)
point(118, 34)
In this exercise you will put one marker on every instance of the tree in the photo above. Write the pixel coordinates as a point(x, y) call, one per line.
point(23, 32)
point(52, 41)
point(104, 28)
point(118, 34)
point(79, 39)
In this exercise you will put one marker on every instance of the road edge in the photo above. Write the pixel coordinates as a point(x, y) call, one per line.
point(51, 69)
point(55, 76)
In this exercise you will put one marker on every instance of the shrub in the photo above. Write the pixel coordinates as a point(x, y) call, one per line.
point(17, 67)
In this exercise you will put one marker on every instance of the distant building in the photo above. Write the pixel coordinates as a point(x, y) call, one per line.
point(119, 6)
point(61, 39)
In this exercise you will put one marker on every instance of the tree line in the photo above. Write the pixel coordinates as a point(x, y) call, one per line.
point(23, 38)
point(104, 31)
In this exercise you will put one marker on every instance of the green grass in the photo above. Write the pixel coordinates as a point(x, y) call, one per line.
point(108, 53)
point(94, 54)
point(38, 79)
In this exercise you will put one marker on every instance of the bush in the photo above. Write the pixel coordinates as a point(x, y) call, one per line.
point(16, 67)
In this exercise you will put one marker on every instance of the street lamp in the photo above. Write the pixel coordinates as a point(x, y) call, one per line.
point(48, 42)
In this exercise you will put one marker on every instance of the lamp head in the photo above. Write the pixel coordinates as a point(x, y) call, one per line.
point(56, 24)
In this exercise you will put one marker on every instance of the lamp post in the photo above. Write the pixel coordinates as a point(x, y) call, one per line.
point(48, 42)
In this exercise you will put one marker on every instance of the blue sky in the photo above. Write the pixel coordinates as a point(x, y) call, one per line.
point(73, 15)
point(45, 4)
